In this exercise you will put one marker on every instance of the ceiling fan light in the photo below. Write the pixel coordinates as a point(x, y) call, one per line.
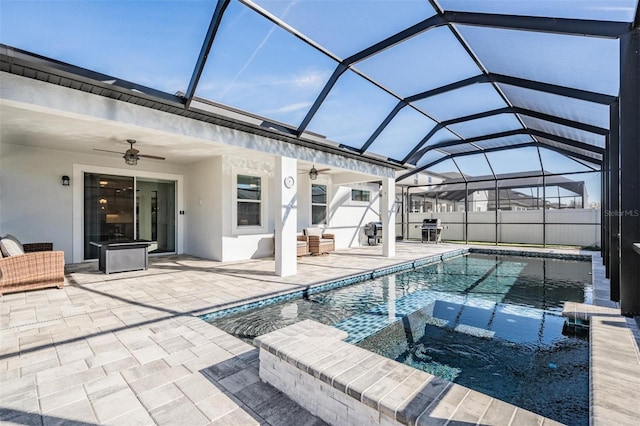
point(130, 159)
point(313, 173)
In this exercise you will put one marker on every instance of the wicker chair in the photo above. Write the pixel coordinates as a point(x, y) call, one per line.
point(38, 267)
point(302, 245)
point(302, 248)
point(319, 242)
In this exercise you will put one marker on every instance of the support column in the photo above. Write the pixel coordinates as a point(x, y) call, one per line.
point(497, 205)
point(613, 205)
point(388, 216)
point(606, 206)
point(629, 172)
point(286, 216)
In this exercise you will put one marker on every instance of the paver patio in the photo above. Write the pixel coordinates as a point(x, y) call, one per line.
point(128, 348)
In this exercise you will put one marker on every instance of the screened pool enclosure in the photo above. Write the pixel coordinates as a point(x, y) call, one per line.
point(475, 91)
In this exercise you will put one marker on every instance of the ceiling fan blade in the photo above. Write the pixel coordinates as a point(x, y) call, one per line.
point(155, 157)
point(323, 170)
point(106, 150)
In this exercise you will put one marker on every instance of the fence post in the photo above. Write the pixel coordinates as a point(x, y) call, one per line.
point(466, 212)
point(544, 211)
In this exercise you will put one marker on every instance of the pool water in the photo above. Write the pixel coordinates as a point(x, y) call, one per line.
point(491, 323)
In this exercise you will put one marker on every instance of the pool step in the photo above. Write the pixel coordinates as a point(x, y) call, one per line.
point(584, 312)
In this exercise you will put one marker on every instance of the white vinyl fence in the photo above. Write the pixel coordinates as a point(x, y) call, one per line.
point(575, 227)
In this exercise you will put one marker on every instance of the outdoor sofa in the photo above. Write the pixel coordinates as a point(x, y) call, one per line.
point(29, 266)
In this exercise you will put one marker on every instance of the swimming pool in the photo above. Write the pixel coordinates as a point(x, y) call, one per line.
point(489, 322)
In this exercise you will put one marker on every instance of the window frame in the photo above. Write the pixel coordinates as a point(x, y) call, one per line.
point(362, 192)
point(264, 197)
point(325, 204)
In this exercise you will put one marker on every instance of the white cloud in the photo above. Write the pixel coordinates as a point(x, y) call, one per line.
point(313, 79)
point(299, 106)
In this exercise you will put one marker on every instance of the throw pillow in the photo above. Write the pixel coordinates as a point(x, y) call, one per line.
point(10, 246)
point(314, 232)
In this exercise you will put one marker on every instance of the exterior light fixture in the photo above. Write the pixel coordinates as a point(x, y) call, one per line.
point(65, 180)
point(313, 173)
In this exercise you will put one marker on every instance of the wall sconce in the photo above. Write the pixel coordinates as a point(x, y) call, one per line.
point(65, 180)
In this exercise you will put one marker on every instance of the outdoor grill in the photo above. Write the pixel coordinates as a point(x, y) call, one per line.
point(373, 231)
point(431, 230)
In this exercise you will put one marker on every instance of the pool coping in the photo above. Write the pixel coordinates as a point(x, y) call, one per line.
point(322, 286)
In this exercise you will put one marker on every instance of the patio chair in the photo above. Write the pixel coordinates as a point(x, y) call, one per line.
point(302, 248)
point(302, 245)
point(319, 242)
point(29, 266)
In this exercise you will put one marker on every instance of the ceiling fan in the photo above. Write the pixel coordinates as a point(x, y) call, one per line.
point(313, 173)
point(132, 155)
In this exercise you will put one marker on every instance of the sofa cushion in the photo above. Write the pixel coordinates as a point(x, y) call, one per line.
point(10, 246)
point(313, 232)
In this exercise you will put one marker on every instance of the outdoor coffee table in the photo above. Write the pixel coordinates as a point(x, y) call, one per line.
point(120, 256)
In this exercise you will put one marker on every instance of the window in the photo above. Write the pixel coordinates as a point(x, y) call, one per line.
point(318, 204)
point(360, 195)
point(249, 200)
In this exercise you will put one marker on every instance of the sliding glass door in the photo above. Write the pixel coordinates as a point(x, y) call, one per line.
point(120, 208)
point(156, 214)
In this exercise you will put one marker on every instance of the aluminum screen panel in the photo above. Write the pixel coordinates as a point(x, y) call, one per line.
point(457, 149)
point(504, 141)
point(275, 58)
point(462, 102)
point(514, 161)
point(447, 169)
point(155, 52)
point(487, 125)
point(607, 10)
point(347, 27)
point(442, 135)
point(429, 60)
point(560, 106)
point(473, 166)
point(570, 149)
point(352, 111)
point(553, 162)
point(564, 131)
point(587, 63)
point(404, 132)
point(430, 157)
point(241, 70)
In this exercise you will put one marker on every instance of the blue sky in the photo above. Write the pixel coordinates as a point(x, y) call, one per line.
point(259, 67)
